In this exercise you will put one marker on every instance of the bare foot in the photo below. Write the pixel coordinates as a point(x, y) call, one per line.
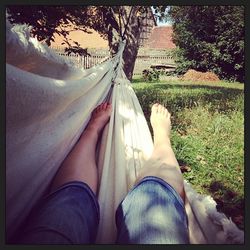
point(99, 118)
point(84, 151)
point(161, 124)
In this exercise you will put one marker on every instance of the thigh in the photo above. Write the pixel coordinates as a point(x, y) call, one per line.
point(69, 215)
point(152, 213)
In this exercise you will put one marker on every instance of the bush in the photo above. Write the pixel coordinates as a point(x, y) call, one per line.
point(150, 75)
point(210, 38)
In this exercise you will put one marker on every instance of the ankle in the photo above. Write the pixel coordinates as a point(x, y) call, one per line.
point(93, 129)
point(161, 141)
point(91, 132)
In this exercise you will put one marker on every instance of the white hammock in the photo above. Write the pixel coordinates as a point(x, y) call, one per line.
point(48, 105)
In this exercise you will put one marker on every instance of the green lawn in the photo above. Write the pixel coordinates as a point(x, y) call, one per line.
point(207, 136)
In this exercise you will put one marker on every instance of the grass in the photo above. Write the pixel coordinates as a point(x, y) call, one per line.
point(207, 136)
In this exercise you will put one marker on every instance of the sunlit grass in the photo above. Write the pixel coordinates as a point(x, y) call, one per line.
point(207, 135)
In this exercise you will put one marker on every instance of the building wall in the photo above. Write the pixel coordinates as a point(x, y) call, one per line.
point(161, 38)
point(155, 44)
point(151, 36)
point(148, 23)
point(85, 40)
point(94, 40)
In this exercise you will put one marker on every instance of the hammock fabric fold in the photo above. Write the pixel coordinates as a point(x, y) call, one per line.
point(48, 105)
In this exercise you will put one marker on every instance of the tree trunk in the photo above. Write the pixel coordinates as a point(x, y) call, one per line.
point(132, 36)
point(132, 44)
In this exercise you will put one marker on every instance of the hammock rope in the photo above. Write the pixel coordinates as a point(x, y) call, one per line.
point(120, 23)
point(128, 20)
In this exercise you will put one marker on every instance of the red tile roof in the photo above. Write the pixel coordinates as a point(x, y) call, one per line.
point(161, 38)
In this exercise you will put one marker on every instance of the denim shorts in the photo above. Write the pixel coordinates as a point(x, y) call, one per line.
point(151, 213)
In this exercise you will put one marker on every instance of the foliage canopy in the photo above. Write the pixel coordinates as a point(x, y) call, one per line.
point(109, 21)
point(210, 38)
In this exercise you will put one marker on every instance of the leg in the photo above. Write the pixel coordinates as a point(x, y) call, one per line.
point(163, 162)
point(70, 213)
point(80, 164)
point(153, 211)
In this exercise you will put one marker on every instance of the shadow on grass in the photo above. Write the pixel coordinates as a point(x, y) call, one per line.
point(221, 99)
point(225, 90)
point(137, 80)
point(228, 202)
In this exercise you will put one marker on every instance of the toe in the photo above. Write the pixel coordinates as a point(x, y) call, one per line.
point(104, 106)
point(96, 109)
point(165, 112)
point(109, 106)
point(154, 107)
point(99, 107)
point(161, 109)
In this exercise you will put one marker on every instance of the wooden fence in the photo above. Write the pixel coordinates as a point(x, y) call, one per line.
point(144, 60)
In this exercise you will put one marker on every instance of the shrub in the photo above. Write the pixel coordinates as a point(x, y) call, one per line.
point(210, 38)
point(150, 75)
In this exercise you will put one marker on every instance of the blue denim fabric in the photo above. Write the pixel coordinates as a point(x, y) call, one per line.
point(152, 213)
point(69, 215)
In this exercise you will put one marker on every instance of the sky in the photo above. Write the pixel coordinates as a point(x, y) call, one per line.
point(163, 23)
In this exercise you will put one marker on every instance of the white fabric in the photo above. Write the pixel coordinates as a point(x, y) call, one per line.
point(48, 104)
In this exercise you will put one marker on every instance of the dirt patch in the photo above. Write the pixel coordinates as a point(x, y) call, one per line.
point(193, 75)
point(228, 202)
